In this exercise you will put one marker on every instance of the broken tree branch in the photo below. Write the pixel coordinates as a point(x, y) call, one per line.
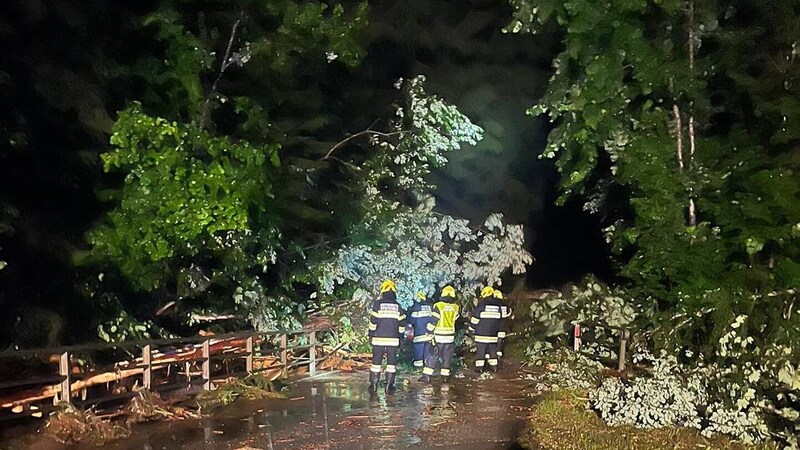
point(367, 132)
point(226, 62)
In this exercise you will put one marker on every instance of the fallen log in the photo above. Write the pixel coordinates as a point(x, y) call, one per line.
point(51, 391)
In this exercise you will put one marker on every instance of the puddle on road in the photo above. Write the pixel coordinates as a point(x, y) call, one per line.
point(336, 412)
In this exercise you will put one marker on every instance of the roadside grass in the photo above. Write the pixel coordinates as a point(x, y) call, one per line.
point(561, 422)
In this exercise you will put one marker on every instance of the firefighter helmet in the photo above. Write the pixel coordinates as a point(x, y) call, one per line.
point(487, 292)
point(421, 295)
point(388, 285)
point(449, 291)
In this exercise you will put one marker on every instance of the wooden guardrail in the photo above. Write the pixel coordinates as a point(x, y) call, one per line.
point(34, 381)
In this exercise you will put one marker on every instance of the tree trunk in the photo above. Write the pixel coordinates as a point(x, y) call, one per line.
point(692, 207)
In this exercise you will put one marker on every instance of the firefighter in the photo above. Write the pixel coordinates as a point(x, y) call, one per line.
point(445, 312)
point(385, 330)
point(505, 313)
point(485, 324)
point(420, 315)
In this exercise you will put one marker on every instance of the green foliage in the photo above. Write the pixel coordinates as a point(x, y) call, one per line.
point(350, 326)
point(560, 421)
point(706, 236)
point(425, 129)
point(589, 302)
point(717, 371)
point(406, 240)
point(265, 311)
point(253, 387)
point(177, 75)
point(317, 22)
point(271, 42)
point(126, 328)
point(198, 217)
point(624, 72)
point(669, 396)
point(185, 192)
point(563, 368)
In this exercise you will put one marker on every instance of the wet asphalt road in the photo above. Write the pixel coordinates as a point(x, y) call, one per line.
point(334, 411)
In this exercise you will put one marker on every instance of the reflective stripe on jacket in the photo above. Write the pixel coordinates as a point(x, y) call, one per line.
point(486, 320)
point(505, 312)
point(386, 321)
point(419, 316)
point(446, 314)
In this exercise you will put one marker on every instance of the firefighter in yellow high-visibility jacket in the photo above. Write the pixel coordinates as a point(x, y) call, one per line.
point(386, 326)
point(445, 312)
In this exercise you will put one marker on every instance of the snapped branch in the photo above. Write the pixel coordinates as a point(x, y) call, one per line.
point(368, 132)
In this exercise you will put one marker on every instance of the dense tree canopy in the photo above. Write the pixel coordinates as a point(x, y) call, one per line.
point(677, 121)
point(669, 119)
point(285, 78)
point(226, 208)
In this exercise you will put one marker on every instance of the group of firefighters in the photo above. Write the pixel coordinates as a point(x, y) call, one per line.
point(433, 327)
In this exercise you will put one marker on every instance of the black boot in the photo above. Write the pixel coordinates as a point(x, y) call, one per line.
point(374, 378)
point(390, 383)
point(424, 379)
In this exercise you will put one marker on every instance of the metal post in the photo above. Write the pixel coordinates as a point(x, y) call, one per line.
point(284, 358)
point(576, 343)
point(623, 343)
point(312, 353)
point(206, 366)
point(64, 370)
point(249, 358)
point(147, 362)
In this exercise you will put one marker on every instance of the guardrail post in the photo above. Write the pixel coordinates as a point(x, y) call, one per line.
point(284, 344)
point(576, 343)
point(249, 358)
point(312, 353)
point(64, 370)
point(147, 362)
point(206, 366)
point(623, 343)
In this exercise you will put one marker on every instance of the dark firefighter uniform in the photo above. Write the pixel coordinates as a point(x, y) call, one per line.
point(505, 312)
point(485, 324)
point(385, 329)
point(420, 315)
point(445, 312)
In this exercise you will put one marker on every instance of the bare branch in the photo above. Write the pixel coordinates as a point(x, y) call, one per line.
point(211, 317)
point(367, 132)
point(226, 62)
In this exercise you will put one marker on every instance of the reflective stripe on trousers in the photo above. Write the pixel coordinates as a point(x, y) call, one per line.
point(443, 352)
